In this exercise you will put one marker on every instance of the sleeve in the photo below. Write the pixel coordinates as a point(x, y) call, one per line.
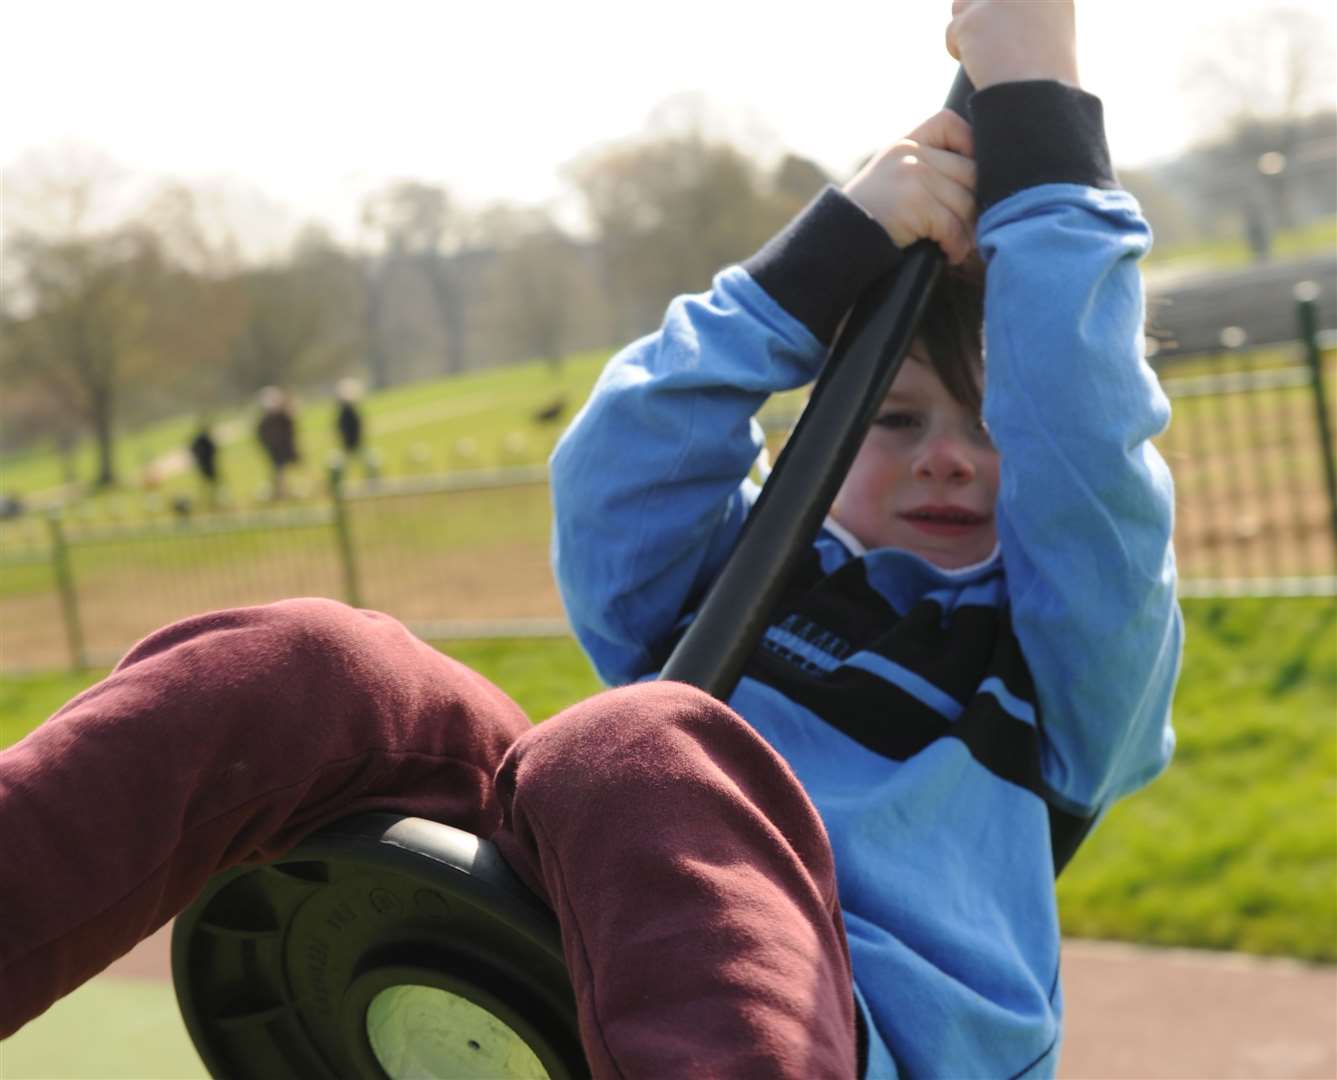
point(1085, 508)
point(649, 483)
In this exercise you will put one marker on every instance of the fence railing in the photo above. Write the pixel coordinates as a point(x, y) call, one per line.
point(467, 555)
point(1251, 449)
point(460, 555)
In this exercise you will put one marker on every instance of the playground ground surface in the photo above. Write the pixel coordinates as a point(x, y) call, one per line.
point(1133, 1012)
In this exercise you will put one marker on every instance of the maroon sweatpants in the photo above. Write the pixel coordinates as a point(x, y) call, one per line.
point(690, 874)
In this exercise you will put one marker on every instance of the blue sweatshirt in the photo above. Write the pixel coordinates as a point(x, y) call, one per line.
point(941, 721)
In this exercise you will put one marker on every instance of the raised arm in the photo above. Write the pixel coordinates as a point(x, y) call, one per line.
point(649, 483)
point(1085, 506)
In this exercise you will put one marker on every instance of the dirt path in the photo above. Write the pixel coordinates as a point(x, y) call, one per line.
point(1138, 1013)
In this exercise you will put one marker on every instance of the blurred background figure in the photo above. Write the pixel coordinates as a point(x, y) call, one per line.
point(1257, 234)
point(277, 432)
point(348, 419)
point(351, 430)
point(204, 452)
point(11, 507)
point(551, 412)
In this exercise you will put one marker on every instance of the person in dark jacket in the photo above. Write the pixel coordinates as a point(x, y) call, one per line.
point(277, 432)
point(351, 428)
point(348, 419)
point(204, 452)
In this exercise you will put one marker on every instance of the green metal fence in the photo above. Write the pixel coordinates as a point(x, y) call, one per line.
point(1251, 449)
point(452, 556)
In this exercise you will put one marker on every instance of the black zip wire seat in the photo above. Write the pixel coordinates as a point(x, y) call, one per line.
point(381, 946)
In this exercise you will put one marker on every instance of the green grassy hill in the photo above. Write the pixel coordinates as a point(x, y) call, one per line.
point(478, 420)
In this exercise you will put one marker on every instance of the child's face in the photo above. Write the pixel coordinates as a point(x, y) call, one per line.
point(926, 477)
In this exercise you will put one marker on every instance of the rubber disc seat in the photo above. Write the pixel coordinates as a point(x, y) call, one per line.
point(381, 946)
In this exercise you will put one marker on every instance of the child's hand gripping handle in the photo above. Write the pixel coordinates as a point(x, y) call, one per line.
point(857, 375)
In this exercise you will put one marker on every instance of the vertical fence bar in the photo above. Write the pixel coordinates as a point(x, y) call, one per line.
point(1224, 447)
point(1270, 556)
point(1171, 445)
point(69, 600)
point(343, 536)
point(1306, 303)
point(1203, 503)
point(1292, 432)
point(1236, 446)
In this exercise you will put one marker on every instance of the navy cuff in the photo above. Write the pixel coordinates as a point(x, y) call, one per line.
point(1037, 132)
point(821, 262)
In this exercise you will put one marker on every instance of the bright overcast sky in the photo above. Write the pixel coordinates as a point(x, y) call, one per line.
point(313, 104)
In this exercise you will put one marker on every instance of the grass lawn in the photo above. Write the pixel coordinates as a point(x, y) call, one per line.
point(1234, 848)
point(28, 700)
point(543, 676)
point(108, 1029)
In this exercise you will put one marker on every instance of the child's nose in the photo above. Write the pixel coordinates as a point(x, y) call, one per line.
point(945, 457)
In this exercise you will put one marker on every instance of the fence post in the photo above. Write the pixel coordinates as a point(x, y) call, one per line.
point(69, 600)
point(1306, 303)
point(343, 535)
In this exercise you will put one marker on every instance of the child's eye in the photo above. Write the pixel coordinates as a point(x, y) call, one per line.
point(897, 420)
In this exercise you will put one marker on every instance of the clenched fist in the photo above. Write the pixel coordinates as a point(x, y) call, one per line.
point(1001, 41)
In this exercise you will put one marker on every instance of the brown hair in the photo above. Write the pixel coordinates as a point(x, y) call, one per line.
point(951, 331)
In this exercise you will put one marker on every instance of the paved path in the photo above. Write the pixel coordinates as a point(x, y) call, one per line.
point(1140, 1013)
point(1135, 1012)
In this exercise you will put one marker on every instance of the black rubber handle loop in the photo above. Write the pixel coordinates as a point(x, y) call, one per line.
point(797, 495)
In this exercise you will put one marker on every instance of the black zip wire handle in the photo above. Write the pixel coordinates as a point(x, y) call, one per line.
point(855, 379)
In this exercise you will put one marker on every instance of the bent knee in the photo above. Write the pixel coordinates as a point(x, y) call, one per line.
point(314, 655)
point(262, 632)
point(627, 725)
point(633, 740)
point(660, 754)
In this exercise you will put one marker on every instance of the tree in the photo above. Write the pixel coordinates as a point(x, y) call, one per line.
point(110, 310)
point(300, 319)
point(197, 305)
point(669, 211)
point(1164, 210)
point(81, 333)
point(1256, 84)
point(795, 180)
point(416, 225)
point(1273, 64)
point(538, 282)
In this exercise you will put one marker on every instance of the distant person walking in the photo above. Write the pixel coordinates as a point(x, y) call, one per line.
point(350, 427)
point(1257, 231)
point(204, 452)
point(349, 419)
point(277, 432)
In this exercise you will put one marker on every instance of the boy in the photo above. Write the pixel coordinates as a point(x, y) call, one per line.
point(974, 658)
point(972, 647)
